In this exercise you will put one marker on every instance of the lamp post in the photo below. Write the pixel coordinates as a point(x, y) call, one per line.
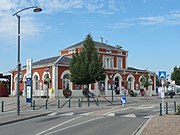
point(36, 9)
point(47, 81)
point(112, 77)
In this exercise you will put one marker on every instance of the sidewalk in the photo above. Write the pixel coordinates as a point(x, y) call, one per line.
point(161, 125)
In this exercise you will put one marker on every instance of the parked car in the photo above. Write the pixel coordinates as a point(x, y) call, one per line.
point(170, 93)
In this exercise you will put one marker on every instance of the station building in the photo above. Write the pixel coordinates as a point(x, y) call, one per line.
point(119, 77)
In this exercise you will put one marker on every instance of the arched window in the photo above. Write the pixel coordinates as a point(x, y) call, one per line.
point(36, 82)
point(116, 82)
point(130, 83)
point(66, 81)
point(102, 87)
point(45, 84)
point(141, 83)
point(117, 87)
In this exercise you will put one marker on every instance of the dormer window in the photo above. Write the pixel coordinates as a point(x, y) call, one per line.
point(119, 52)
point(72, 51)
point(108, 51)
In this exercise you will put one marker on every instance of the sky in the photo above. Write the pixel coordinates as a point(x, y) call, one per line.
point(148, 29)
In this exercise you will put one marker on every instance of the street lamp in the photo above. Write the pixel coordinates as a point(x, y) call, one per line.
point(36, 9)
point(47, 81)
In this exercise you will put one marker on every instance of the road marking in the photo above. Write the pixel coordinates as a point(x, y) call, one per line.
point(113, 111)
point(57, 125)
point(86, 114)
point(111, 114)
point(147, 117)
point(67, 114)
point(144, 107)
point(129, 116)
point(73, 125)
point(52, 114)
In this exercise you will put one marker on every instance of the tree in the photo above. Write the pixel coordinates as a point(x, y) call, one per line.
point(145, 81)
point(86, 66)
point(175, 75)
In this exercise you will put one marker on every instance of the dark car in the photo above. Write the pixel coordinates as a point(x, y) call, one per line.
point(170, 93)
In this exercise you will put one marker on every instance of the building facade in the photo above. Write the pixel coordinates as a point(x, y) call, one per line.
point(119, 77)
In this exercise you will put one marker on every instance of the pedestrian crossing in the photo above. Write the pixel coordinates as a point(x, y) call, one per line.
point(130, 115)
point(128, 112)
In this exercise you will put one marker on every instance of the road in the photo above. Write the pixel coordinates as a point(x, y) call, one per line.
point(114, 120)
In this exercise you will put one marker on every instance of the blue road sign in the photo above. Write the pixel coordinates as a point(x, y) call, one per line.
point(28, 90)
point(123, 100)
point(162, 75)
point(28, 81)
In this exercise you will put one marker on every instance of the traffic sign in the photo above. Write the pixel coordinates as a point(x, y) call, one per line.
point(162, 75)
point(123, 100)
point(28, 81)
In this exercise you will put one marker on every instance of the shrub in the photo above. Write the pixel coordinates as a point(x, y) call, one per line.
point(131, 93)
point(178, 110)
point(67, 93)
point(85, 92)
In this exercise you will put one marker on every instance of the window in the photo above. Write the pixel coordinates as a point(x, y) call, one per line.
point(66, 81)
point(36, 83)
point(119, 63)
point(130, 84)
point(108, 63)
point(102, 87)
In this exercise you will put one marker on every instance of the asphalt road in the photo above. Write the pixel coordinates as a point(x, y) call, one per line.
point(73, 125)
point(102, 120)
point(111, 120)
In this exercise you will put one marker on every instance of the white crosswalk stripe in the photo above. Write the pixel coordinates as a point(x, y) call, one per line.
point(129, 116)
point(67, 114)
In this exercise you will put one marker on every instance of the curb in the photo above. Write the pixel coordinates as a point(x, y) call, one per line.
point(22, 119)
point(139, 130)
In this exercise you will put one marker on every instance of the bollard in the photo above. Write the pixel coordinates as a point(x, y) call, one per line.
point(33, 104)
point(97, 102)
point(88, 101)
point(69, 103)
point(58, 103)
point(166, 107)
point(160, 109)
point(46, 103)
point(2, 110)
point(79, 103)
point(174, 106)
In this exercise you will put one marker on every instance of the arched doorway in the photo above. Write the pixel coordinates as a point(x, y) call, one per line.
point(117, 85)
point(130, 83)
point(66, 82)
point(102, 87)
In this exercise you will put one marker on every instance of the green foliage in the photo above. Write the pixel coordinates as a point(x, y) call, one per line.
point(158, 83)
point(86, 66)
point(178, 110)
point(145, 81)
point(175, 75)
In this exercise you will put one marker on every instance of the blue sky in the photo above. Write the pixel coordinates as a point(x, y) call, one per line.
point(148, 29)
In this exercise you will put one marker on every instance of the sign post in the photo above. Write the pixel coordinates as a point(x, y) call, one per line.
point(29, 81)
point(123, 100)
point(162, 77)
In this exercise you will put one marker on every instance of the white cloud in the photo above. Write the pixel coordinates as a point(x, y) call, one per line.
point(172, 18)
point(29, 25)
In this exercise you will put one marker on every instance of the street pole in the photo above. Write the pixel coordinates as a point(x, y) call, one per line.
point(112, 77)
point(19, 68)
point(36, 9)
point(162, 81)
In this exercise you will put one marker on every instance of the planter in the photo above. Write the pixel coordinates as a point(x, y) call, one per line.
point(67, 93)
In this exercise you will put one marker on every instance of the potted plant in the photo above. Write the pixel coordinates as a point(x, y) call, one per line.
point(67, 92)
point(142, 92)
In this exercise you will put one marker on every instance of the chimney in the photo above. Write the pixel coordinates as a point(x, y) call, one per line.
point(101, 39)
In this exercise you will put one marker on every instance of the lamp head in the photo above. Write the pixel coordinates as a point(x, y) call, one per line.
point(37, 9)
